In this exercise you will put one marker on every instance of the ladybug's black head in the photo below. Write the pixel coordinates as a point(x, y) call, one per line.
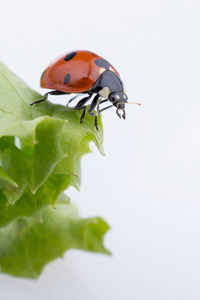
point(119, 99)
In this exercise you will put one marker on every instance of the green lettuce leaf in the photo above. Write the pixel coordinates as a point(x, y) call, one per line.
point(27, 245)
point(40, 154)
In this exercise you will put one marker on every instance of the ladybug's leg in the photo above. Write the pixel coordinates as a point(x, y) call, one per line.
point(39, 101)
point(92, 107)
point(104, 108)
point(81, 105)
point(46, 96)
point(100, 110)
point(57, 93)
point(70, 100)
point(102, 101)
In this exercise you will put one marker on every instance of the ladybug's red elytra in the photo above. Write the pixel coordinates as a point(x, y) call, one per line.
point(84, 72)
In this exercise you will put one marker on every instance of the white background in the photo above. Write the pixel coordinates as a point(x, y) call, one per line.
point(147, 187)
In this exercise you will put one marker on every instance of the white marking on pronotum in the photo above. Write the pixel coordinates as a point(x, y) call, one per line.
point(118, 97)
point(124, 89)
point(111, 69)
point(104, 92)
point(101, 70)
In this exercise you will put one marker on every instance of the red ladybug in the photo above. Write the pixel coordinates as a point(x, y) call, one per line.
point(84, 72)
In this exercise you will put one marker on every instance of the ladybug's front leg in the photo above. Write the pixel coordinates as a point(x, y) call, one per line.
point(92, 107)
point(103, 101)
point(81, 105)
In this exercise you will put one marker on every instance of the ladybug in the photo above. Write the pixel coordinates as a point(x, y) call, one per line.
point(84, 72)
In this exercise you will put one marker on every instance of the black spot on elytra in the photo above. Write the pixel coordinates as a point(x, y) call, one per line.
point(69, 56)
point(102, 63)
point(67, 79)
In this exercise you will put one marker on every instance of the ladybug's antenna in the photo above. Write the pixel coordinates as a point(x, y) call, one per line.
point(133, 103)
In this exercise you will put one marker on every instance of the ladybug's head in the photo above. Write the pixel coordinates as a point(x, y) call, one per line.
point(119, 99)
